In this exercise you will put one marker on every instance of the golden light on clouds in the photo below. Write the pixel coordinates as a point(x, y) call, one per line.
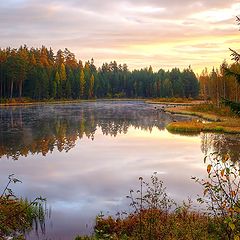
point(217, 15)
point(164, 34)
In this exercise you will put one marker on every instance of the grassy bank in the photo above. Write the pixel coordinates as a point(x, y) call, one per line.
point(174, 101)
point(221, 119)
point(29, 102)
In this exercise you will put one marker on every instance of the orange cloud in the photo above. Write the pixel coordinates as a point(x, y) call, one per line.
point(162, 34)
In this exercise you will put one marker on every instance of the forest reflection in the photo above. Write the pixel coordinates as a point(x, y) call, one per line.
point(41, 129)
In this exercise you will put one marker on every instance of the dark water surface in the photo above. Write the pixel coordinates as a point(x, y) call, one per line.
point(84, 158)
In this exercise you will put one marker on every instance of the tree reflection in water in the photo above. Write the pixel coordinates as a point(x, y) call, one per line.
point(41, 129)
point(222, 144)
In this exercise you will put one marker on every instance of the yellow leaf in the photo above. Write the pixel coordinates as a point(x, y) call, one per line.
point(209, 167)
point(222, 172)
point(232, 226)
point(226, 157)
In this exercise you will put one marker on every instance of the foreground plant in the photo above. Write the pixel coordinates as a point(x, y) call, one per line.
point(18, 216)
point(222, 192)
point(156, 216)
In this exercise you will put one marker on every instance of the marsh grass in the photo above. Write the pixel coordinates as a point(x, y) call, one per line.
point(221, 119)
point(19, 216)
point(172, 100)
point(157, 224)
point(29, 101)
point(156, 216)
point(229, 126)
point(210, 108)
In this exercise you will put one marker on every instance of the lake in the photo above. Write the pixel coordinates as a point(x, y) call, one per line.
point(84, 158)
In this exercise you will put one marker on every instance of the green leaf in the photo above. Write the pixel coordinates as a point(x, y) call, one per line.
point(232, 226)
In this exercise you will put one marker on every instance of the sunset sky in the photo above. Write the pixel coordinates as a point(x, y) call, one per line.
point(164, 34)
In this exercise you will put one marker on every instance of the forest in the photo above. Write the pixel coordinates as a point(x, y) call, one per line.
point(40, 74)
point(219, 84)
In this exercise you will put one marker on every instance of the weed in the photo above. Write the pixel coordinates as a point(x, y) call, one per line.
point(18, 216)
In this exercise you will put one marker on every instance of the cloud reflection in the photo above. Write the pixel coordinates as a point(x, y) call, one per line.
point(96, 175)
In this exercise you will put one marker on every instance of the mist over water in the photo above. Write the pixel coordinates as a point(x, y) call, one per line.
point(84, 158)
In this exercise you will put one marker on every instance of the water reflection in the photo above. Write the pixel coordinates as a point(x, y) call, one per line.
point(40, 129)
point(222, 144)
point(98, 151)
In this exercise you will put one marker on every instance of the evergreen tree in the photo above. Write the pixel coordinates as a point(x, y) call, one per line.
point(91, 87)
point(235, 106)
point(58, 84)
point(37, 73)
point(82, 84)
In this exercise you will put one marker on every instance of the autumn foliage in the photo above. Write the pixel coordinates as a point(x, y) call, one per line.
point(18, 216)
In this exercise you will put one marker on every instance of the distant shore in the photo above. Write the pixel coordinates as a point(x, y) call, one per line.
point(29, 103)
point(166, 101)
point(23, 101)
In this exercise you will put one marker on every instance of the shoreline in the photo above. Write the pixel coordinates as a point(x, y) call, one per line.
point(22, 104)
point(183, 110)
point(172, 103)
point(146, 100)
point(32, 103)
point(217, 124)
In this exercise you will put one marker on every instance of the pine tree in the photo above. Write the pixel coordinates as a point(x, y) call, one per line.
point(235, 106)
point(54, 89)
point(22, 67)
point(91, 87)
point(62, 73)
point(87, 75)
point(82, 84)
point(58, 84)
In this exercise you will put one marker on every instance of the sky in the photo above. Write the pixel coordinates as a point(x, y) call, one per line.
point(160, 33)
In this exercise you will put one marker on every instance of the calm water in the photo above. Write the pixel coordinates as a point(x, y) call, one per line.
point(84, 158)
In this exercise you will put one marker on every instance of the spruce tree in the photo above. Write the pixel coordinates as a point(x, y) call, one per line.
point(235, 106)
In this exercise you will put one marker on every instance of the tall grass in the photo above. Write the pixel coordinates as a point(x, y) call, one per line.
point(19, 216)
point(210, 108)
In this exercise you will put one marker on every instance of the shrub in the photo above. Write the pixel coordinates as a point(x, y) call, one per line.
point(156, 216)
point(18, 216)
point(221, 193)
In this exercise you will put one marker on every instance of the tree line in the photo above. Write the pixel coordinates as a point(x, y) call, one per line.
point(218, 84)
point(38, 73)
point(223, 86)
